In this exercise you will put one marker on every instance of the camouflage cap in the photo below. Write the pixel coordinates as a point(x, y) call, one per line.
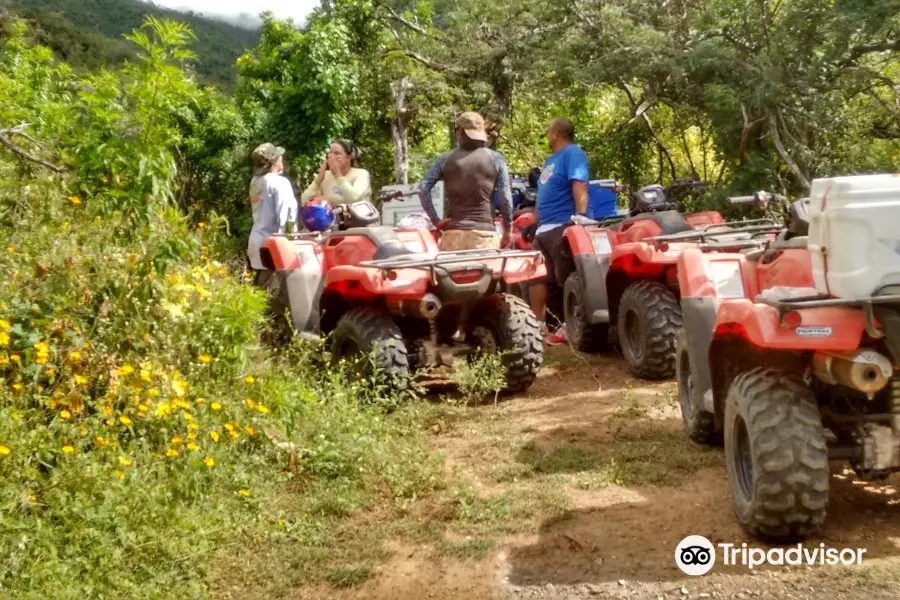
point(264, 157)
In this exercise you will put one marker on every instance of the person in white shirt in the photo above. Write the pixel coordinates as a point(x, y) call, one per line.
point(273, 203)
point(339, 181)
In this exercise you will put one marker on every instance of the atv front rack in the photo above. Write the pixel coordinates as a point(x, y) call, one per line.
point(413, 261)
point(787, 305)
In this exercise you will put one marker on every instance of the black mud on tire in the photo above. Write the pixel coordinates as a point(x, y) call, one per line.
point(581, 333)
point(699, 424)
point(776, 456)
point(649, 320)
point(518, 336)
point(364, 330)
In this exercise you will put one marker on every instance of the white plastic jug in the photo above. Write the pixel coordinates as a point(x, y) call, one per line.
point(854, 234)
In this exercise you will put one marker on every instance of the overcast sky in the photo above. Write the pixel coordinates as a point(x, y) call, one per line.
point(296, 9)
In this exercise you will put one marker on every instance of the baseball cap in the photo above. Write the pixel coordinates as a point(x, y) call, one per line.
point(264, 156)
point(473, 124)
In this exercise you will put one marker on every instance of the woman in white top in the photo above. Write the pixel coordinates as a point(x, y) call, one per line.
point(338, 180)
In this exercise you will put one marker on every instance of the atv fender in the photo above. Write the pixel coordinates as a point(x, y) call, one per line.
point(832, 328)
point(304, 289)
point(278, 253)
point(699, 317)
point(592, 267)
point(640, 260)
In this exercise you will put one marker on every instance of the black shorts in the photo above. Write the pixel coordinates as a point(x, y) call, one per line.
point(559, 265)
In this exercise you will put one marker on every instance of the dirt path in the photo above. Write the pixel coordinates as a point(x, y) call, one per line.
point(584, 487)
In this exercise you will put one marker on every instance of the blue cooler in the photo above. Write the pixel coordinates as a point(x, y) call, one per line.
point(602, 199)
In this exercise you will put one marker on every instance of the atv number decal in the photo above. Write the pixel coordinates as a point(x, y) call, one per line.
point(814, 332)
point(601, 243)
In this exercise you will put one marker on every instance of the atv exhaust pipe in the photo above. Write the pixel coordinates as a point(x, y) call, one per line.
point(866, 371)
point(427, 308)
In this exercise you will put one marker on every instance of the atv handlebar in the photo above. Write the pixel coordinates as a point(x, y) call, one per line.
point(760, 198)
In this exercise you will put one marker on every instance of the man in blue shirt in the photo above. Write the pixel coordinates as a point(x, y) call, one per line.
point(562, 193)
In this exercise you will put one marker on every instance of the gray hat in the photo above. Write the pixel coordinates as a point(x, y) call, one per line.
point(264, 157)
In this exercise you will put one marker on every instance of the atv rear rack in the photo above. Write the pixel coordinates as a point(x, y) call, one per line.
point(702, 235)
point(412, 261)
point(822, 301)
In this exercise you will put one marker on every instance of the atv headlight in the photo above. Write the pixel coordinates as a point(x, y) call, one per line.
point(726, 278)
point(601, 243)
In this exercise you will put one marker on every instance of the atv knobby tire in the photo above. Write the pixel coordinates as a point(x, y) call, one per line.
point(518, 337)
point(649, 320)
point(699, 424)
point(581, 333)
point(365, 332)
point(776, 456)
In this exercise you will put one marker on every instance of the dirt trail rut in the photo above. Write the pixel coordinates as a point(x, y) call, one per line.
point(628, 487)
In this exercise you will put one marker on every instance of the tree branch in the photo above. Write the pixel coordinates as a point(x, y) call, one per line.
point(643, 114)
point(863, 49)
point(394, 16)
point(782, 152)
point(431, 64)
point(20, 131)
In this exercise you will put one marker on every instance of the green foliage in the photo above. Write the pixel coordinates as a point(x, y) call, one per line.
point(88, 33)
point(143, 429)
point(483, 376)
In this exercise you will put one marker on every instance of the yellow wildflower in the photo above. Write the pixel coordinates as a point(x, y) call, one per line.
point(262, 408)
point(65, 414)
point(76, 328)
point(120, 474)
point(209, 461)
point(109, 422)
point(250, 403)
point(192, 436)
point(86, 346)
point(244, 492)
point(80, 379)
point(4, 339)
point(143, 408)
point(10, 249)
point(75, 200)
point(199, 400)
point(201, 224)
point(4, 360)
point(75, 355)
point(214, 435)
point(233, 433)
point(32, 498)
point(250, 431)
point(249, 379)
point(179, 386)
point(108, 411)
point(125, 461)
point(15, 357)
point(124, 420)
point(41, 360)
point(124, 370)
point(193, 447)
point(163, 410)
point(4, 450)
point(153, 392)
point(216, 406)
point(68, 449)
point(177, 440)
point(188, 416)
point(205, 358)
point(101, 441)
point(4, 324)
point(229, 427)
point(171, 452)
point(193, 426)
point(18, 387)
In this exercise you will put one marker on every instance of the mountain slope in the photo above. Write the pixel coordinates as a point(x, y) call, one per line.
point(88, 33)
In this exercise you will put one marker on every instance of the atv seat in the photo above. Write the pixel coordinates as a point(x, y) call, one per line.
point(386, 241)
point(670, 221)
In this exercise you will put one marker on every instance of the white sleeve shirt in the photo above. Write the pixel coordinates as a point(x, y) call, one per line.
point(274, 205)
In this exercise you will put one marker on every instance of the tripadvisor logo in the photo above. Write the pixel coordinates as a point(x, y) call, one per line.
point(695, 555)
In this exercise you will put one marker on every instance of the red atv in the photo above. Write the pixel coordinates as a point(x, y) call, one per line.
point(625, 276)
point(392, 292)
point(790, 354)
